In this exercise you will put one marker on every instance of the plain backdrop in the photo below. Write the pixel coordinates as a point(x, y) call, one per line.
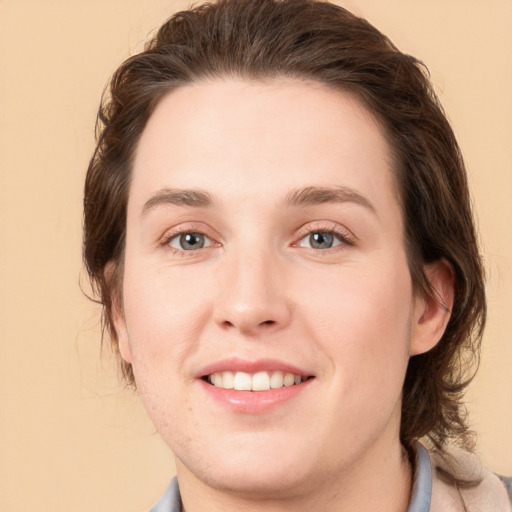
point(71, 438)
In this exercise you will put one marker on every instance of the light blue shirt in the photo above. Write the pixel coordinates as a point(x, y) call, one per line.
point(420, 500)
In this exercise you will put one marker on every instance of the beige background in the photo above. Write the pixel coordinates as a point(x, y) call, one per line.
point(70, 437)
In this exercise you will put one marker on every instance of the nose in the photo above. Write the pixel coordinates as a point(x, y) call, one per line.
point(252, 294)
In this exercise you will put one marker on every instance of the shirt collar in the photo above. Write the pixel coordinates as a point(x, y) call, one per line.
point(422, 487)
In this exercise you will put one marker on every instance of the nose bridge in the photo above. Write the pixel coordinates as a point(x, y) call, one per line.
point(252, 295)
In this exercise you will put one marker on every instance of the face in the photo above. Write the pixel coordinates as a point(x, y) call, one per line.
point(267, 305)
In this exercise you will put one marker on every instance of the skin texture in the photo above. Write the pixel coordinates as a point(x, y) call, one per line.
point(346, 315)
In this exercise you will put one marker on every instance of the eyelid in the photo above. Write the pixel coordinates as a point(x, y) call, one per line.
point(208, 241)
point(188, 227)
point(342, 233)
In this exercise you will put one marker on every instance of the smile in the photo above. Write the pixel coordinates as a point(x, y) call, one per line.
point(259, 381)
point(254, 387)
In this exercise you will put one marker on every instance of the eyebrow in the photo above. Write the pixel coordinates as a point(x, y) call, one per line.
point(311, 196)
point(178, 197)
point(307, 196)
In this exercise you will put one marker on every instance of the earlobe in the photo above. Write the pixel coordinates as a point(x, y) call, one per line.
point(118, 318)
point(432, 313)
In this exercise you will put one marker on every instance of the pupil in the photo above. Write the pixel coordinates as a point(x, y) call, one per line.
point(192, 241)
point(321, 240)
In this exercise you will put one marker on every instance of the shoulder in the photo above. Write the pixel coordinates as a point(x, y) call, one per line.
point(461, 483)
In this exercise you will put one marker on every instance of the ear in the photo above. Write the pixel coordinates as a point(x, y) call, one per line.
point(432, 313)
point(117, 313)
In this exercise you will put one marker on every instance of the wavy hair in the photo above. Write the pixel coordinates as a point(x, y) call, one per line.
point(311, 40)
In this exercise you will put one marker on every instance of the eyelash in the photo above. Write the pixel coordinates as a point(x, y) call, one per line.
point(343, 236)
point(186, 230)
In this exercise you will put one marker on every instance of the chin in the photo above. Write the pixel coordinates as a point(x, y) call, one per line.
point(265, 472)
point(270, 481)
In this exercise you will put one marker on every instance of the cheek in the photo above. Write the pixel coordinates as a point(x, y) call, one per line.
point(360, 317)
point(358, 298)
point(165, 313)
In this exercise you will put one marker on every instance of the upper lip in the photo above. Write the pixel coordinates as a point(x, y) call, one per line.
point(241, 365)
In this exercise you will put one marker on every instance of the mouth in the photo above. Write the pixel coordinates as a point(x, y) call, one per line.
point(257, 381)
point(254, 387)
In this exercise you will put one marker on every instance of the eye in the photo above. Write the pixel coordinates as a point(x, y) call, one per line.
point(320, 240)
point(190, 241)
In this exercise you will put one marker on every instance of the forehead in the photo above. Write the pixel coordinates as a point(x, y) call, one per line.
point(236, 138)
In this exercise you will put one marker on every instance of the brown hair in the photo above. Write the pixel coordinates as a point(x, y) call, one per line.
point(311, 40)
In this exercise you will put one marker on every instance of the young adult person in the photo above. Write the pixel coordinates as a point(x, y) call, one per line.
point(278, 225)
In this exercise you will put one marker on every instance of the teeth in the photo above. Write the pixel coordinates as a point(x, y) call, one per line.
point(289, 379)
point(228, 380)
point(217, 379)
point(276, 380)
point(243, 381)
point(260, 381)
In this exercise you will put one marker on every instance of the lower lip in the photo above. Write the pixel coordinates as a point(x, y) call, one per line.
point(254, 402)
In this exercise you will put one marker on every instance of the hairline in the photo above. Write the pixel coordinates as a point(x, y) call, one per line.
point(355, 93)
